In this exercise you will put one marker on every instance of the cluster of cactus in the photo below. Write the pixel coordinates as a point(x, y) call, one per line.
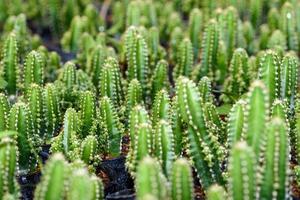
point(194, 94)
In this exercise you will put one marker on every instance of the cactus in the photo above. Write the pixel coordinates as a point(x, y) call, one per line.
point(150, 180)
point(195, 27)
point(161, 107)
point(160, 77)
point(110, 126)
point(256, 116)
point(133, 14)
point(51, 110)
point(242, 172)
point(89, 149)
point(209, 50)
point(162, 145)
point(184, 59)
point(238, 80)
point(9, 164)
point(4, 112)
point(134, 95)
point(110, 82)
point(204, 148)
point(137, 56)
point(255, 12)
point(141, 147)
point(20, 121)
point(289, 77)
point(9, 63)
point(205, 90)
point(274, 181)
point(181, 180)
point(236, 123)
point(33, 69)
point(270, 74)
point(87, 113)
point(216, 192)
point(54, 179)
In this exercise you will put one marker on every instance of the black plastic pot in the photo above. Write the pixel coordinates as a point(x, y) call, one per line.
point(127, 194)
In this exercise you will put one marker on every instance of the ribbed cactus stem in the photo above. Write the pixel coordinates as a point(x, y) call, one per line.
point(71, 127)
point(216, 192)
point(89, 149)
point(33, 69)
point(150, 180)
point(160, 77)
point(110, 125)
point(87, 112)
point(181, 180)
point(161, 108)
point(134, 95)
point(242, 172)
point(54, 180)
point(95, 63)
point(274, 182)
point(8, 164)
point(195, 27)
point(4, 112)
point(185, 58)
point(110, 81)
point(205, 90)
point(9, 63)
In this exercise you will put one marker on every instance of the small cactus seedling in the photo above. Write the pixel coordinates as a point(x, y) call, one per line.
point(181, 180)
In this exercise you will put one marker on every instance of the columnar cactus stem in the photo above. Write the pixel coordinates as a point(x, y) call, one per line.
point(110, 125)
point(150, 180)
point(95, 63)
point(216, 192)
point(270, 74)
point(236, 123)
point(160, 77)
point(141, 148)
point(274, 183)
point(289, 77)
point(161, 107)
point(209, 51)
point(51, 110)
point(195, 27)
point(20, 121)
point(10, 63)
point(8, 164)
point(185, 58)
point(256, 116)
point(134, 95)
point(89, 149)
point(136, 56)
point(204, 86)
point(204, 147)
point(238, 80)
point(4, 112)
point(182, 181)
point(255, 12)
point(87, 112)
point(133, 14)
point(33, 69)
point(69, 75)
point(162, 145)
point(54, 179)
point(110, 81)
point(242, 172)
point(71, 128)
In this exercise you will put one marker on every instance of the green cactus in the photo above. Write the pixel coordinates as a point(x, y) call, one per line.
point(87, 113)
point(137, 56)
point(209, 51)
point(10, 62)
point(162, 145)
point(4, 112)
point(238, 80)
point(151, 181)
point(133, 14)
point(33, 69)
point(89, 149)
point(54, 180)
point(51, 110)
point(184, 59)
point(27, 141)
point(161, 108)
point(255, 12)
point(195, 27)
point(111, 126)
point(274, 182)
point(134, 95)
point(181, 180)
point(256, 116)
point(8, 165)
point(205, 90)
point(242, 172)
point(110, 84)
point(160, 78)
point(270, 74)
point(204, 148)
point(289, 78)
point(216, 192)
